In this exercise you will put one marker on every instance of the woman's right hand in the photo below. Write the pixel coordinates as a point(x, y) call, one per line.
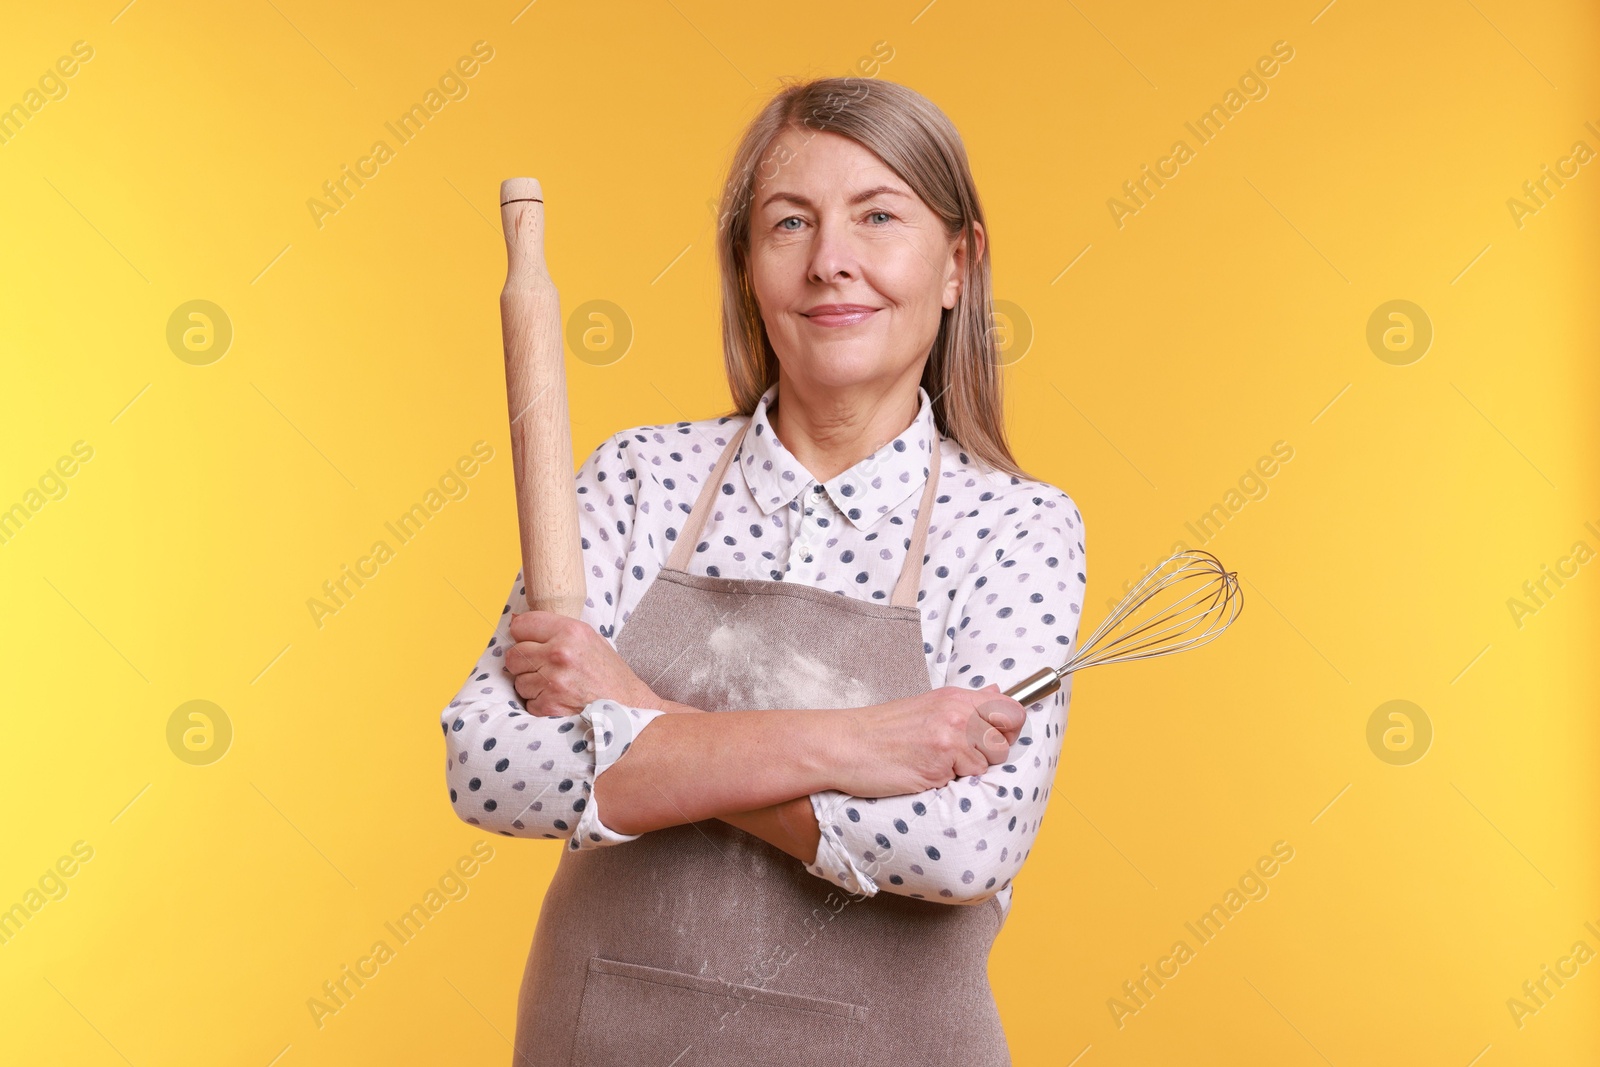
point(926, 741)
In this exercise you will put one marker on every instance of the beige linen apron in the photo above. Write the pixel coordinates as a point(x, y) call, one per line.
point(700, 945)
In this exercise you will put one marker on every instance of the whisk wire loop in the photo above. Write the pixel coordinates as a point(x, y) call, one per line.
point(1153, 619)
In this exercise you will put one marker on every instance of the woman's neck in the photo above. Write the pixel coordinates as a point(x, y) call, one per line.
point(841, 434)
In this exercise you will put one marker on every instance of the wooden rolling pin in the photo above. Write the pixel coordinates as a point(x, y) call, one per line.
point(536, 397)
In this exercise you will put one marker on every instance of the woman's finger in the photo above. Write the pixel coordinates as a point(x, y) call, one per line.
point(1004, 714)
point(995, 745)
point(540, 626)
point(528, 685)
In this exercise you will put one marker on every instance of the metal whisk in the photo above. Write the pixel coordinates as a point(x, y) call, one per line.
point(1152, 620)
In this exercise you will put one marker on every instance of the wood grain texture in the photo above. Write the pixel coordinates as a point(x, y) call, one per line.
point(536, 398)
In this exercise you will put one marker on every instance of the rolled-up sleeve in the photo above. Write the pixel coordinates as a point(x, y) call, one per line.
point(526, 775)
point(964, 842)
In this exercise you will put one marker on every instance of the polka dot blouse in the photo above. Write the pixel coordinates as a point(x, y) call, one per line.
point(1001, 593)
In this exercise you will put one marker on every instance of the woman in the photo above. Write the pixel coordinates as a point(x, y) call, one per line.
point(817, 844)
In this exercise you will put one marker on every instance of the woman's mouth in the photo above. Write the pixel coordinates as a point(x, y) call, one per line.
point(839, 314)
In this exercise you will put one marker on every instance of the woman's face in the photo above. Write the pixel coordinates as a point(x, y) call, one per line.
point(831, 224)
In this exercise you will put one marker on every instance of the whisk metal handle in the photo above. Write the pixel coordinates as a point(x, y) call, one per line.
point(1036, 686)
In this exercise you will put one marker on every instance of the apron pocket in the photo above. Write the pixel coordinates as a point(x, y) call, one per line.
point(632, 1014)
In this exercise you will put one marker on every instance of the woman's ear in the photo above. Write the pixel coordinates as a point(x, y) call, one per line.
point(959, 252)
point(978, 240)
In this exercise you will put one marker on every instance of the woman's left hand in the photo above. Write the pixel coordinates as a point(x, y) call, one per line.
point(560, 664)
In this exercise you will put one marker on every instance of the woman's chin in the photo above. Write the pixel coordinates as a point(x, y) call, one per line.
point(843, 366)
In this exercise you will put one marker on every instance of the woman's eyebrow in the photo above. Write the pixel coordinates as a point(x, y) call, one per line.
point(868, 194)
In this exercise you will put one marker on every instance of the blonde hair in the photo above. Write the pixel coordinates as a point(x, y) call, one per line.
point(914, 139)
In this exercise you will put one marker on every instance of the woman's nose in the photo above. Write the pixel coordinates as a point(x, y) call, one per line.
point(833, 253)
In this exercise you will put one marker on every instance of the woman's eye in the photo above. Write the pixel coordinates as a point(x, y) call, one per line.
point(783, 223)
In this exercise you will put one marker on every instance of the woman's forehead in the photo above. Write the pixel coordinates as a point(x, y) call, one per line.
point(822, 166)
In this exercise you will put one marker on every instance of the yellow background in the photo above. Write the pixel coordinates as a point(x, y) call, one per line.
point(1230, 312)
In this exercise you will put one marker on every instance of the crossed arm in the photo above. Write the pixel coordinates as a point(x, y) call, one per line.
point(525, 775)
point(768, 773)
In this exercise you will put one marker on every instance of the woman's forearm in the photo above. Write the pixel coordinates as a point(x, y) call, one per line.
point(790, 826)
point(753, 769)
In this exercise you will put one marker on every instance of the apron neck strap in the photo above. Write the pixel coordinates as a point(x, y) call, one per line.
point(905, 590)
point(689, 536)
